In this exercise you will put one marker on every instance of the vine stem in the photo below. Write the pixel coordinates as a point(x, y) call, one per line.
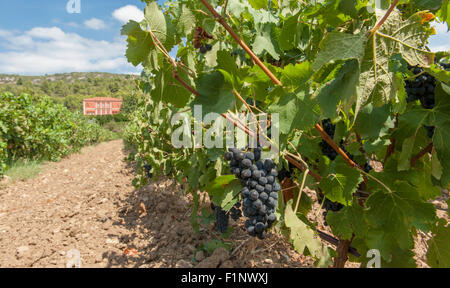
point(422, 153)
point(301, 190)
point(377, 180)
point(381, 22)
point(294, 161)
point(338, 149)
point(330, 239)
point(240, 42)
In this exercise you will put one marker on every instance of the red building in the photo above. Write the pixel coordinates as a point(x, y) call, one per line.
point(101, 106)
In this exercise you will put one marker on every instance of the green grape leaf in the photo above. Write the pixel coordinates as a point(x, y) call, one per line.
point(341, 90)
point(343, 181)
point(444, 13)
point(418, 177)
point(296, 75)
point(186, 21)
point(211, 56)
point(296, 111)
point(215, 95)
point(438, 73)
point(428, 4)
point(396, 212)
point(373, 122)
point(405, 155)
point(303, 237)
point(266, 42)
point(440, 118)
point(258, 4)
point(436, 167)
point(438, 255)
point(226, 62)
point(168, 90)
point(224, 191)
point(160, 25)
point(289, 35)
point(340, 46)
point(350, 220)
point(139, 42)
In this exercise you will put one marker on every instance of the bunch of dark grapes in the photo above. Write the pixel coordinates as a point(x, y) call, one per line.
point(367, 167)
point(236, 212)
point(421, 88)
point(327, 150)
point(260, 191)
point(205, 48)
point(222, 217)
point(200, 37)
point(284, 173)
point(329, 205)
point(148, 169)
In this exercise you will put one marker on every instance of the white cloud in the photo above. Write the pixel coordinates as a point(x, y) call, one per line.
point(440, 41)
point(129, 12)
point(47, 50)
point(95, 24)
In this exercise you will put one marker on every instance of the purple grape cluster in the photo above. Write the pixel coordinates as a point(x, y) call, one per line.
point(422, 88)
point(223, 217)
point(260, 191)
point(329, 205)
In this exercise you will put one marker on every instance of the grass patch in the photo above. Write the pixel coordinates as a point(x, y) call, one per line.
point(24, 169)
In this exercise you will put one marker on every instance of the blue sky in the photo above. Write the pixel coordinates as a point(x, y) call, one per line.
point(40, 37)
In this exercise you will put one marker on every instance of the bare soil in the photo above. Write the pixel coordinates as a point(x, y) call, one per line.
point(86, 203)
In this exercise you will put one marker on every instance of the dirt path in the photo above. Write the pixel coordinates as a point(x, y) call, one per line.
point(86, 203)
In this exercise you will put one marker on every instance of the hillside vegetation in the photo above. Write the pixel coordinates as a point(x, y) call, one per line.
point(70, 89)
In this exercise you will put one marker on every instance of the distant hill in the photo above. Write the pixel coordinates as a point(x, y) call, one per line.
point(71, 88)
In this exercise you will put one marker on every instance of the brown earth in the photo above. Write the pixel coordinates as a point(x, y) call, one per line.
point(86, 203)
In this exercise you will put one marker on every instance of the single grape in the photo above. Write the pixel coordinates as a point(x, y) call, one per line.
point(259, 188)
point(246, 174)
point(263, 196)
point(254, 195)
point(250, 156)
point(228, 156)
point(246, 163)
point(276, 187)
point(257, 204)
point(268, 164)
point(262, 180)
point(274, 195)
point(272, 218)
point(259, 227)
point(251, 230)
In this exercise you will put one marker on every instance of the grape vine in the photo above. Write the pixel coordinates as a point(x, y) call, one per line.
point(352, 87)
